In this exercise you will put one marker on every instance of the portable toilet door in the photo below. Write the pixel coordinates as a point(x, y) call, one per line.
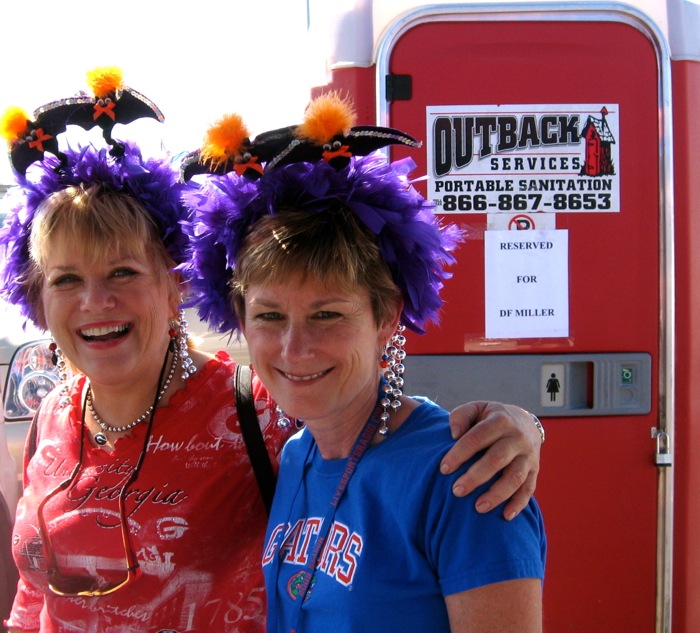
point(549, 138)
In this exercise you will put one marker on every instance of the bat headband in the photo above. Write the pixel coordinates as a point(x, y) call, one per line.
point(312, 174)
point(42, 169)
point(111, 103)
point(328, 134)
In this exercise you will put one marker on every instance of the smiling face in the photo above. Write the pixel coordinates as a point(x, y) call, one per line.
point(317, 349)
point(104, 290)
point(111, 316)
point(318, 304)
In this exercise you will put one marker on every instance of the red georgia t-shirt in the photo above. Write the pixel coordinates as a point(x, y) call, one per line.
point(195, 516)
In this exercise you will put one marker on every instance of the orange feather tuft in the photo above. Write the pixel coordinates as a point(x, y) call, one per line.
point(14, 124)
point(105, 80)
point(224, 139)
point(327, 116)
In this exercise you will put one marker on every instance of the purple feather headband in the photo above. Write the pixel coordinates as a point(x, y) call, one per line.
point(152, 182)
point(408, 234)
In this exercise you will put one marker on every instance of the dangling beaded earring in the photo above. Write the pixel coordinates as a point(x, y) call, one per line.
point(283, 422)
point(178, 344)
point(392, 363)
point(59, 361)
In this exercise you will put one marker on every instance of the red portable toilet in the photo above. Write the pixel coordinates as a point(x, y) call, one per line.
point(563, 137)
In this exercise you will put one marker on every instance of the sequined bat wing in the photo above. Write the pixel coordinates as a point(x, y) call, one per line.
point(274, 146)
point(282, 147)
point(365, 139)
point(55, 116)
point(360, 141)
point(192, 165)
point(132, 105)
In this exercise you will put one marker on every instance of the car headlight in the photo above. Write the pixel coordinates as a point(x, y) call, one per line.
point(31, 376)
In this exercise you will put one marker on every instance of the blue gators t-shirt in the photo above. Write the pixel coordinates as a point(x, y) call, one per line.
point(400, 540)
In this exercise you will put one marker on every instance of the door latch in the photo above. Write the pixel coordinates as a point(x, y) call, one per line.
point(663, 447)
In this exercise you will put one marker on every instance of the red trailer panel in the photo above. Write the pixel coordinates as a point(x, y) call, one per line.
point(485, 87)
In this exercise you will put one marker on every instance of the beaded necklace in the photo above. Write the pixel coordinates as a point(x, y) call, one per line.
point(101, 438)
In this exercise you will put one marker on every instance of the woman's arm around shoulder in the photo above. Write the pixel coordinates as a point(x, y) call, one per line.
point(511, 441)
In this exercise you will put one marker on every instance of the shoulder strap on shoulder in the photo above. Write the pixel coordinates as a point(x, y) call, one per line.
point(32, 434)
point(252, 435)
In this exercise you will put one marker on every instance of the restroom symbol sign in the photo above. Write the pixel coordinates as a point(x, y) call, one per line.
point(553, 385)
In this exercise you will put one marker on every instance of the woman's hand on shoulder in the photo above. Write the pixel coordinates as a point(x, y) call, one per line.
point(511, 441)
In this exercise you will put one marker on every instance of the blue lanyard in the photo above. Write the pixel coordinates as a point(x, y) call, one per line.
point(362, 443)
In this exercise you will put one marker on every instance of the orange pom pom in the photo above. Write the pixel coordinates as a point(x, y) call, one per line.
point(327, 116)
point(14, 124)
point(224, 139)
point(105, 80)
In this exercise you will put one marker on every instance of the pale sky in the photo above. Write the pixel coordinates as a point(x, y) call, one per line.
point(196, 61)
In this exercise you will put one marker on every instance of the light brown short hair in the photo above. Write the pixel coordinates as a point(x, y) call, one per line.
point(332, 246)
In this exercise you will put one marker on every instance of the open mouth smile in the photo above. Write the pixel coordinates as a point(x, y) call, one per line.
point(107, 333)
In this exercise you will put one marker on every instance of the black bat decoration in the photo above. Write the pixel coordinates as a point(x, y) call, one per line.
point(360, 141)
point(49, 121)
point(124, 106)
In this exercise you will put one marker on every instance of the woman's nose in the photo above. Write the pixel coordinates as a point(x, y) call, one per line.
point(297, 342)
point(97, 296)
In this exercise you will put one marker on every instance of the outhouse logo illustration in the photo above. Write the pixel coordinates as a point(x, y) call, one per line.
point(524, 158)
point(599, 141)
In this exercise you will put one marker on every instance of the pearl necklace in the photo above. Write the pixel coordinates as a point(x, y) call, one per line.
point(100, 438)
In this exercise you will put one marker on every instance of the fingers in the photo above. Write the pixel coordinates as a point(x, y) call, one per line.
point(520, 499)
point(500, 456)
point(511, 444)
point(464, 417)
point(516, 486)
point(492, 426)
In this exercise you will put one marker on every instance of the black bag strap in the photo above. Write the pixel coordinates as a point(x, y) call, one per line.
point(32, 434)
point(250, 428)
point(252, 435)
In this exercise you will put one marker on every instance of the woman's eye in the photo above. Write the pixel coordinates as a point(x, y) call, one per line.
point(327, 314)
point(123, 272)
point(268, 316)
point(65, 280)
